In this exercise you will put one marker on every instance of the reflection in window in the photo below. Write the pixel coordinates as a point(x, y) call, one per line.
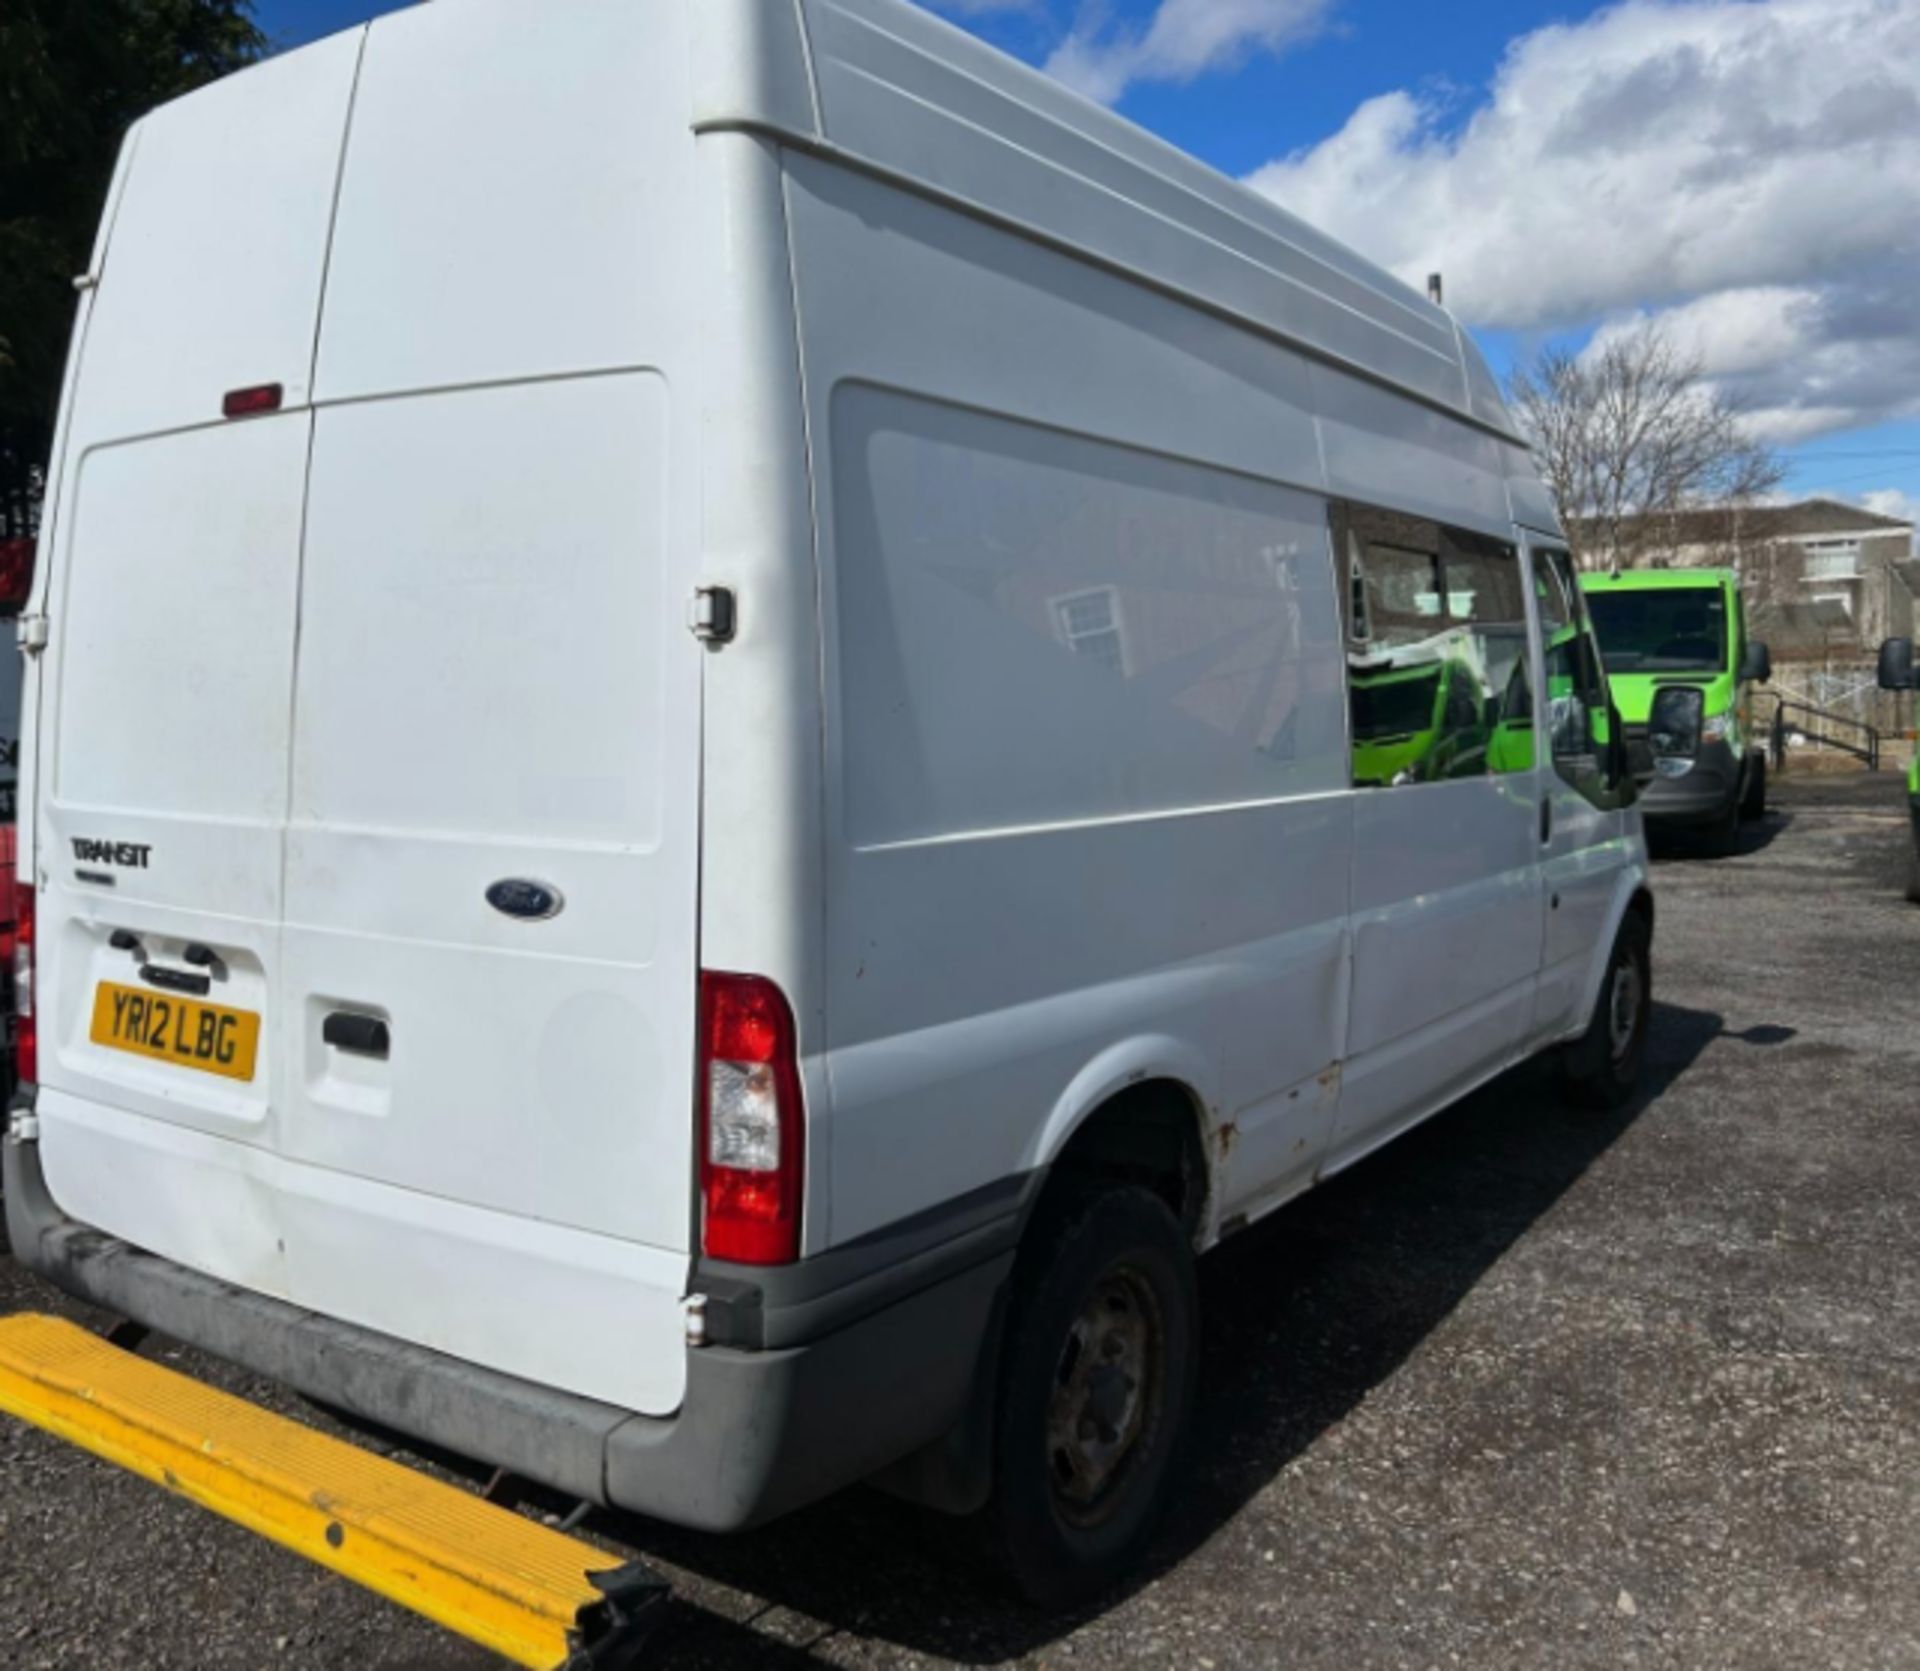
point(1578, 713)
point(1436, 651)
point(1089, 624)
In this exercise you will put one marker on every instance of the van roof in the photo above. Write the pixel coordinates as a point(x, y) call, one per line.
point(887, 86)
point(1659, 580)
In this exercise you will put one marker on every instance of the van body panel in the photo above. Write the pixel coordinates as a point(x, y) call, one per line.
point(161, 706)
point(1446, 944)
point(903, 89)
point(763, 899)
point(418, 638)
point(1383, 449)
point(219, 248)
point(207, 1202)
point(486, 578)
point(751, 69)
point(507, 196)
point(1140, 775)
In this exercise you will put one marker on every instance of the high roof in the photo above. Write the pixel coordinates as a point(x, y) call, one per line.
point(890, 87)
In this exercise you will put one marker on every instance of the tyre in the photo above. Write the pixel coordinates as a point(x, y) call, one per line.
point(1913, 873)
point(1722, 836)
point(1753, 804)
point(1096, 1386)
point(1601, 1069)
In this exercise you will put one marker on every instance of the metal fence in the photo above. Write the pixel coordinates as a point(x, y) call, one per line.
point(1848, 689)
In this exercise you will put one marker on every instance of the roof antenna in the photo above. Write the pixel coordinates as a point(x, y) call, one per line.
point(1436, 291)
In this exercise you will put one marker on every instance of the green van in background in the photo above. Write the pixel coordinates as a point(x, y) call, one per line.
point(1897, 673)
point(1682, 670)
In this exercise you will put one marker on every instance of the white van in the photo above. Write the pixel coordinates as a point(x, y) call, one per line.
point(734, 719)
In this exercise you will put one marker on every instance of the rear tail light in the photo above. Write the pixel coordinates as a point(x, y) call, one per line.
point(16, 575)
point(26, 1041)
point(754, 1127)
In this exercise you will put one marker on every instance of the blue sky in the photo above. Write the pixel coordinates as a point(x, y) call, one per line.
point(1746, 171)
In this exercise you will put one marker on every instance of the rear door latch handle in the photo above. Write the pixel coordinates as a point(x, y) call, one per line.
point(364, 1035)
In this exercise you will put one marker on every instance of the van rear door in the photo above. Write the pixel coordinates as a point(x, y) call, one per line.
point(448, 829)
point(165, 687)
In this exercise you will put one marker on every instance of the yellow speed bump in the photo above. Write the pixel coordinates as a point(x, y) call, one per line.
point(536, 1596)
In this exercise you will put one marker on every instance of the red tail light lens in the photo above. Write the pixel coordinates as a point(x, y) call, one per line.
point(16, 575)
point(753, 1137)
point(250, 403)
point(26, 1042)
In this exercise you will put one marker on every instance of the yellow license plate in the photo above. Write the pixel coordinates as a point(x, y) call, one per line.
point(170, 1028)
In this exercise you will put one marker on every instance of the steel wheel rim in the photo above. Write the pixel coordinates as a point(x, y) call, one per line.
point(1107, 1393)
point(1623, 1008)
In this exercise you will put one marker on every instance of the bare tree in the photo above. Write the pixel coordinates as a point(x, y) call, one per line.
point(1630, 435)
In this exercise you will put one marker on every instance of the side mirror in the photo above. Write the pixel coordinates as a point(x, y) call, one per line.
point(1756, 663)
point(1896, 664)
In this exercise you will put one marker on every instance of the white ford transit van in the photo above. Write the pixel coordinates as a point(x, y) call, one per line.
point(733, 719)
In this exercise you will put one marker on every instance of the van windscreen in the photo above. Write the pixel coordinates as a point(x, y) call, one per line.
point(1668, 631)
point(1395, 707)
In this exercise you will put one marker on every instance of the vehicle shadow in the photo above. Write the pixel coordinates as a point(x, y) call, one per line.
point(1304, 1315)
point(1753, 837)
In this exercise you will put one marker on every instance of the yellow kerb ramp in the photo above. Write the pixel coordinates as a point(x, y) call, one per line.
point(536, 1596)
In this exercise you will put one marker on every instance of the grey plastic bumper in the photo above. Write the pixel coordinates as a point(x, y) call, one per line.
point(1704, 795)
point(758, 1434)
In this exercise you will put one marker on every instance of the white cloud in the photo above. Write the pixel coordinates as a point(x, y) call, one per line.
point(982, 8)
point(1746, 170)
point(1890, 501)
point(1102, 57)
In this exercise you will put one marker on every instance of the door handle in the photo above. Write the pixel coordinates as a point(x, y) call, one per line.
point(364, 1035)
point(1546, 822)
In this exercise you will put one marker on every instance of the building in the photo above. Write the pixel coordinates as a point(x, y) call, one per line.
point(1824, 581)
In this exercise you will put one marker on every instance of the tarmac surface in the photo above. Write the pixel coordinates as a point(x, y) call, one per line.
point(1529, 1388)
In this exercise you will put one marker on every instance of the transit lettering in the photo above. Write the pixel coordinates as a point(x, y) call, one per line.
point(129, 855)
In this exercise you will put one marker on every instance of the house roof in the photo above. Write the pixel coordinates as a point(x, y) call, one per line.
point(1756, 524)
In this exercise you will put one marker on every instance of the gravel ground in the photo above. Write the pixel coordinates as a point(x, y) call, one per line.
point(1527, 1389)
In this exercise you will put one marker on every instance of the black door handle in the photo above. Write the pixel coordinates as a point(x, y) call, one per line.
point(364, 1035)
point(176, 980)
point(1546, 822)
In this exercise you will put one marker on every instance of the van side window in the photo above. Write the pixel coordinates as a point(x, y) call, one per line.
point(1577, 706)
point(1436, 650)
point(1038, 628)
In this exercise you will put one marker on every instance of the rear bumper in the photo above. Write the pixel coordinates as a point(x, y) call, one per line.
point(760, 1432)
point(1703, 796)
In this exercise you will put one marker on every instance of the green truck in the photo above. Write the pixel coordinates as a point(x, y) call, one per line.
point(1418, 724)
point(1897, 673)
point(1682, 670)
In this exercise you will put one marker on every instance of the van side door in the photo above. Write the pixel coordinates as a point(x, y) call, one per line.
point(1583, 812)
point(1446, 886)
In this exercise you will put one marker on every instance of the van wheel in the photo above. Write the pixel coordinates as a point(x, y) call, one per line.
point(1913, 874)
point(1753, 804)
point(1601, 1069)
point(1096, 1382)
point(1723, 834)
